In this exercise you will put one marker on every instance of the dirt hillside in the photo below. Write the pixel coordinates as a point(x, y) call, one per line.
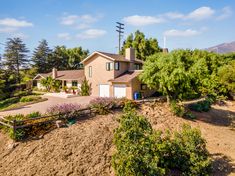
point(85, 148)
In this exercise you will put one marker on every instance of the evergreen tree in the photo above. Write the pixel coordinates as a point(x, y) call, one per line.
point(15, 56)
point(143, 47)
point(40, 57)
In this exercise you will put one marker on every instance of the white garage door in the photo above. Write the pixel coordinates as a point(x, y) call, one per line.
point(104, 90)
point(119, 91)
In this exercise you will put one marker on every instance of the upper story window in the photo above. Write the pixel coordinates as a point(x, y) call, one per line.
point(138, 66)
point(109, 66)
point(117, 66)
point(90, 71)
point(74, 83)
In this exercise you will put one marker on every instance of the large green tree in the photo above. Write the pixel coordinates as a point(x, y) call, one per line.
point(15, 56)
point(143, 46)
point(40, 56)
point(185, 74)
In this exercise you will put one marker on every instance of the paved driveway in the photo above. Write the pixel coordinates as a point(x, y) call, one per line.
point(42, 106)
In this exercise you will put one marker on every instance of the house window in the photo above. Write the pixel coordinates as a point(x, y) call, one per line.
point(74, 83)
point(65, 83)
point(138, 66)
point(117, 65)
point(143, 86)
point(90, 71)
point(109, 66)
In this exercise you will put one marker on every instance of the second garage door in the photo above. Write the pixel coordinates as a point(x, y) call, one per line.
point(119, 90)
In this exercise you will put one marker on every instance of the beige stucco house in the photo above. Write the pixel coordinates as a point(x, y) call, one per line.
point(68, 78)
point(110, 75)
point(113, 75)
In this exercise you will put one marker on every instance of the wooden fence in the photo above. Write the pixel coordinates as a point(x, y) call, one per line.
point(20, 124)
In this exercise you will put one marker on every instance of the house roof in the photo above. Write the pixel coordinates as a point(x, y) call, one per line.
point(111, 56)
point(64, 75)
point(127, 76)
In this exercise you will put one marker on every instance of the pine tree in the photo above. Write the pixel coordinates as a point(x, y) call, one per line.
point(15, 56)
point(40, 57)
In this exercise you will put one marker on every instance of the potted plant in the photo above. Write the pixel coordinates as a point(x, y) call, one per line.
point(73, 88)
point(65, 89)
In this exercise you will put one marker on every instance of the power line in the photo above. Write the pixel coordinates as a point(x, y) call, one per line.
point(120, 30)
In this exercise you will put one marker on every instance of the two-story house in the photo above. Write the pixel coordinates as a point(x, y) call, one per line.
point(113, 75)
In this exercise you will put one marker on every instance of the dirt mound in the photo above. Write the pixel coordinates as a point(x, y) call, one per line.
point(86, 147)
point(81, 149)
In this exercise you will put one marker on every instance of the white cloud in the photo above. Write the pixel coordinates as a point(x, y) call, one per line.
point(91, 34)
point(64, 36)
point(181, 33)
point(12, 22)
point(7, 29)
point(137, 20)
point(201, 13)
point(174, 15)
point(226, 12)
point(79, 22)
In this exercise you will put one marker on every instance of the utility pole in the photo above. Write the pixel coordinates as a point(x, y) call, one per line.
point(120, 30)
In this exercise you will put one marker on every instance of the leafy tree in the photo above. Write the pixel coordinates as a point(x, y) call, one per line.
point(47, 83)
point(40, 57)
point(227, 75)
point(168, 74)
point(15, 56)
point(75, 56)
point(143, 47)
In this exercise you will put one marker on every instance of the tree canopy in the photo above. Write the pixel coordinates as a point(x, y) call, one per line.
point(143, 46)
point(184, 74)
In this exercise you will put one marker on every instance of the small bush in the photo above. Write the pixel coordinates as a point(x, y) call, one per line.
point(34, 115)
point(8, 102)
point(69, 109)
point(21, 93)
point(177, 109)
point(202, 106)
point(85, 88)
point(102, 105)
point(29, 98)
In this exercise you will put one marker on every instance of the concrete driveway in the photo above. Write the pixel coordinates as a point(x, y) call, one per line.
point(42, 106)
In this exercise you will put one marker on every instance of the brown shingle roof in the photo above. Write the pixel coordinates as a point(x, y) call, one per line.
point(66, 75)
point(115, 57)
point(126, 77)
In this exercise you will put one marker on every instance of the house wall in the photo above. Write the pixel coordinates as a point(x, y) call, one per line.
point(39, 85)
point(136, 87)
point(124, 66)
point(99, 73)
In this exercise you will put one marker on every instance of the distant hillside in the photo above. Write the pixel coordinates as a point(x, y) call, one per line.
point(223, 48)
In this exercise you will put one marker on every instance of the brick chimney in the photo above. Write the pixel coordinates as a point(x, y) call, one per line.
point(54, 73)
point(165, 50)
point(130, 54)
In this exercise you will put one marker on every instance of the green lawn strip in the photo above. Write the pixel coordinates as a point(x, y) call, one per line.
point(21, 104)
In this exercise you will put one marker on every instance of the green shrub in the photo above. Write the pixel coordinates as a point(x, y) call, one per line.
point(201, 106)
point(85, 88)
point(135, 153)
point(177, 109)
point(29, 98)
point(8, 102)
point(142, 151)
point(21, 93)
point(34, 115)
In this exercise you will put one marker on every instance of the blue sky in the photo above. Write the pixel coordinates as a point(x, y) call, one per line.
point(91, 23)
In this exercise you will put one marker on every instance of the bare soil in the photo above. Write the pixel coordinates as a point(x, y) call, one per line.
point(85, 148)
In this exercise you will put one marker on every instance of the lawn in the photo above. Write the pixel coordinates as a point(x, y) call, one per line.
point(17, 102)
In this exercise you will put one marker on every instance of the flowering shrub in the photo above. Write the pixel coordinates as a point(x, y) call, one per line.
point(63, 108)
point(102, 105)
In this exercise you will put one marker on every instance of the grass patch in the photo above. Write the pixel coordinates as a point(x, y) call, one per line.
point(18, 103)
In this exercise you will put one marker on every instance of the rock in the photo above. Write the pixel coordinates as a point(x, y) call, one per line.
point(59, 123)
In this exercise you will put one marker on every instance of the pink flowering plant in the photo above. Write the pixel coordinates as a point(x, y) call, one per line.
point(65, 109)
